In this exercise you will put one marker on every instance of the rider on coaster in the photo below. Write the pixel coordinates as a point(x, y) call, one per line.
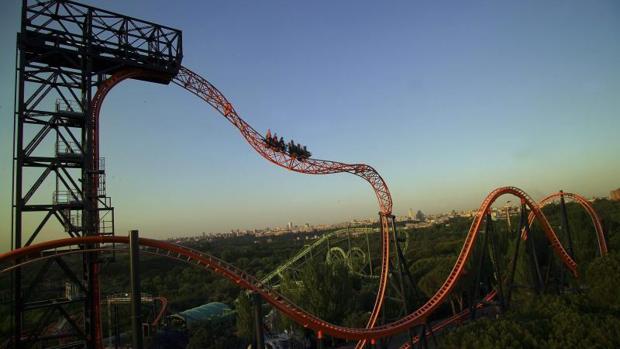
point(294, 150)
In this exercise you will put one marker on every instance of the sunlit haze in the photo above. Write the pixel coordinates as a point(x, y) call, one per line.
point(447, 100)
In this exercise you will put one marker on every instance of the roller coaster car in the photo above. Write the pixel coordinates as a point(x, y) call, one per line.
point(273, 143)
point(303, 156)
point(298, 152)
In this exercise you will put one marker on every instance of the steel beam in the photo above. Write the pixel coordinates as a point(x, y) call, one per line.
point(536, 275)
point(513, 268)
point(565, 226)
point(259, 336)
point(136, 294)
point(476, 285)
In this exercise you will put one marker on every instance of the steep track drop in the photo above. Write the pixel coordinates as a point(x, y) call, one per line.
point(202, 88)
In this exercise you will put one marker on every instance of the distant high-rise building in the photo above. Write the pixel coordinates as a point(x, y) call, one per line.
point(411, 214)
point(290, 225)
point(420, 216)
point(615, 195)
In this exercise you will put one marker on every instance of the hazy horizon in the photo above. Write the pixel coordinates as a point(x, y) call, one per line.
point(447, 100)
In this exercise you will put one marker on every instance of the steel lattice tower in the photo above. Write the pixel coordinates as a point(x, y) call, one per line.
point(64, 50)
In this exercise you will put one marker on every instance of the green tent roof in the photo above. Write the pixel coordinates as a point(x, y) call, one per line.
point(209, 311)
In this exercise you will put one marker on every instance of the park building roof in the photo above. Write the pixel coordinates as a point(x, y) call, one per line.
point(206, 312)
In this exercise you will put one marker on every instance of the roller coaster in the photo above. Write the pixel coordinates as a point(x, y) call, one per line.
point(157, 59)
point(55, 248)
point(332, 254)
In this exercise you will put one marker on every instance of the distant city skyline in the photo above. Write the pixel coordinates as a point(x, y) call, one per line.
point(447, 100)
point(499, 206)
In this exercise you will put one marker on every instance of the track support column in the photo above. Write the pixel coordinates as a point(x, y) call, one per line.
point(536, 275)
point(422, 342)
point(565, 227)
point(259, 337)
point(495, 260)
point(136, 294)
point(430, 331)
point(117, 332)
point(513, 267)
point(483, 251)
point(402, 268)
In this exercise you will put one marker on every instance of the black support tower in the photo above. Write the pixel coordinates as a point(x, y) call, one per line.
point(136, 294)
point(64, 50)
point(259, 336)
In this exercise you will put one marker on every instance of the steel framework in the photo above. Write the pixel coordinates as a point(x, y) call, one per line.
point(64, 51)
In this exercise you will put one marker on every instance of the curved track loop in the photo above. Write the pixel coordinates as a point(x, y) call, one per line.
point(202, 88)
point(284, 305)
point(338, 255)
point(278, 272)
point(596, 220)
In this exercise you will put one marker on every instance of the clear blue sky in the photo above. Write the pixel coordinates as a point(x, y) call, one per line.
point(446, 99)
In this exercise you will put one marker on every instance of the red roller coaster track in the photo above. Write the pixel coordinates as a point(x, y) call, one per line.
point(206, 91)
